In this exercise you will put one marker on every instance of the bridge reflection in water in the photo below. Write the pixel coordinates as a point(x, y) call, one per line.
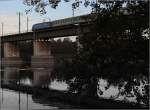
point(38, 77)
point(13, 99)
point(10, 100)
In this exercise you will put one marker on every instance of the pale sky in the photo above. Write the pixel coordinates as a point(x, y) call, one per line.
point(9, 9)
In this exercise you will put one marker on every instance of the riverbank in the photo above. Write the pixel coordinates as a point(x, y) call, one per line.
point(69, 98)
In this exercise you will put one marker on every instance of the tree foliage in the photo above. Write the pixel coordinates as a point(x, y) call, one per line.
point(63, 47)
point(40, 5)
point(116, 49)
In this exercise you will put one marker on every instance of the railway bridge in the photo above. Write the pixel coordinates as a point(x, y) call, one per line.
point(42, 57)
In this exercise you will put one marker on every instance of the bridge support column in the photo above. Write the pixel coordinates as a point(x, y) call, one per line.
point(42, 63)
point(11, 55)
point(42, 57)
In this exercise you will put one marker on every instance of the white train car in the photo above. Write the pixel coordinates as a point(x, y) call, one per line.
point(40, 26)
point(67, 21)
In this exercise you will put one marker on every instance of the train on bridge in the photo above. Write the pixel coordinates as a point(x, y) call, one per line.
point(61, 22)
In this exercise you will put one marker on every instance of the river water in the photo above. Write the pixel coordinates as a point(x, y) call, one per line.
point(16, 100)
point(13, 100)
point(10, 100)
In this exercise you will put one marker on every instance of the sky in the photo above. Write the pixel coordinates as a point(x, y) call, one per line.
point(9, 15)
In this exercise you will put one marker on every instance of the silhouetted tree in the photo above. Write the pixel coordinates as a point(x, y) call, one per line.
point(65, 46)
point(116, 49)
point(40, 5)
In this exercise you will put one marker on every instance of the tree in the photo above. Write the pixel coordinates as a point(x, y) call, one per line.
point(116, 49)
point(60, 47)
point(39, 5)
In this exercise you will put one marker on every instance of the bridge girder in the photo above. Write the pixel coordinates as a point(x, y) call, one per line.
point(61, 31)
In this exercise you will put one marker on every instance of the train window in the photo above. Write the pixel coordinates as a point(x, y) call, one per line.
point(50, 24)
point(69, 20)
point(76, 19)
point(59, 22)
point(62, 22)
point(66, 21)
point(56, 22)
point(73, 19)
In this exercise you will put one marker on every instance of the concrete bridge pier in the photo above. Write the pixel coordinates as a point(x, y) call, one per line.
point(42, 62)
point(11, 57)
point(42, 57)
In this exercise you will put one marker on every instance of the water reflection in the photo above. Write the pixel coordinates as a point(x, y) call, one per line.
point(25, 77)
point(11, 101)
point(30, 77)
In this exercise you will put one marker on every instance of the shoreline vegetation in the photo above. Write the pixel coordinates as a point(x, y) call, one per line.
point(79, 101)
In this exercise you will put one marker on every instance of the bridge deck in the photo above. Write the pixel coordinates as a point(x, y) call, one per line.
point(53, 32)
